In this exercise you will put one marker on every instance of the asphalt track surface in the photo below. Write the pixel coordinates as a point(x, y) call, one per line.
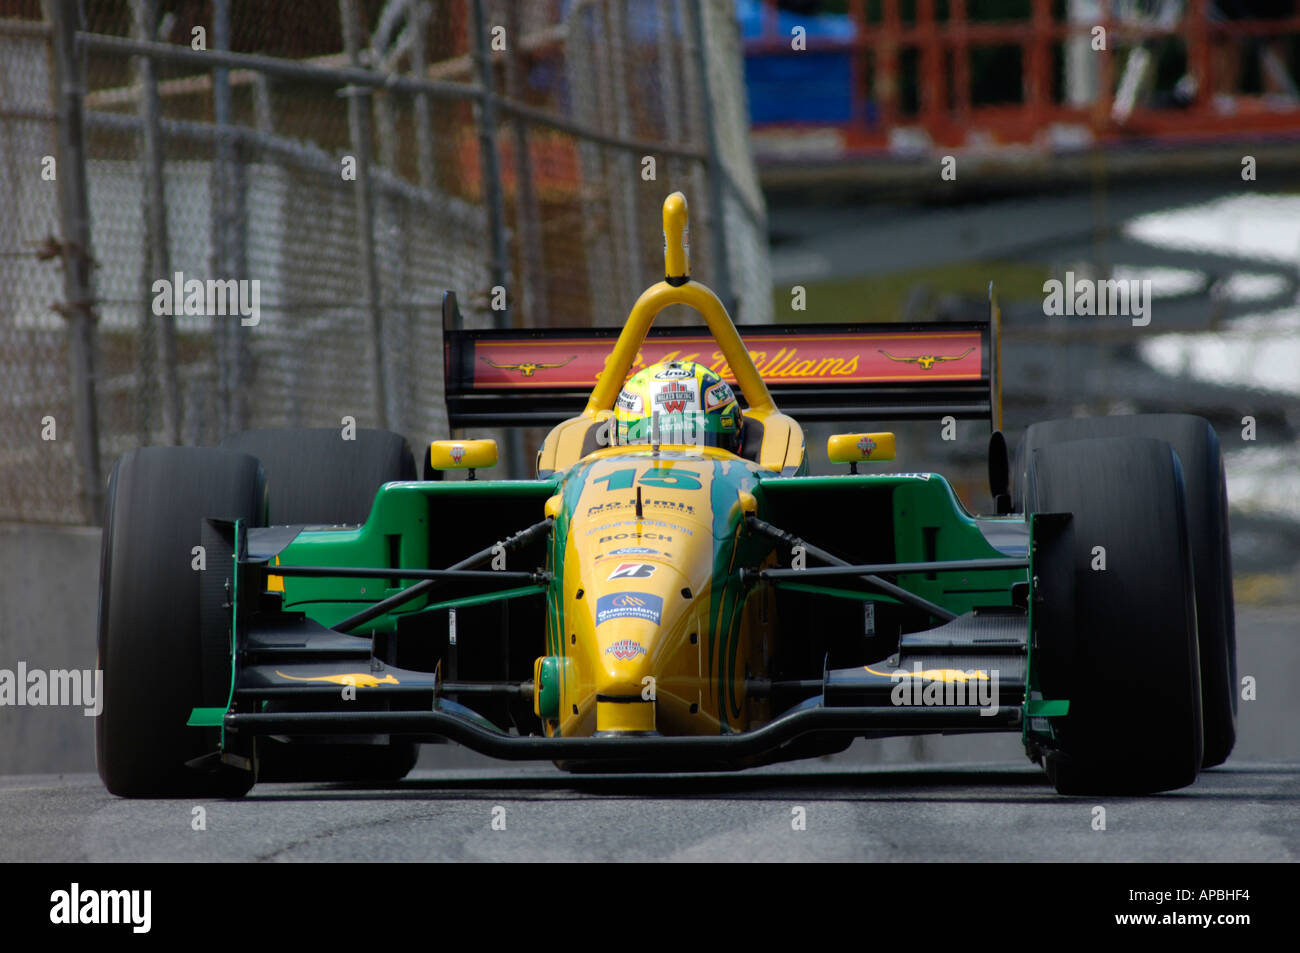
point(971, 813)
point(968, 809)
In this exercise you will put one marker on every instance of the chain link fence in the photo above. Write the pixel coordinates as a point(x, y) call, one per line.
point(354, 160)
point(37, 479)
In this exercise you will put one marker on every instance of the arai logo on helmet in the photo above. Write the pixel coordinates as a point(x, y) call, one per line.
point(674, 372)
point(866, 445)
point(457, 452)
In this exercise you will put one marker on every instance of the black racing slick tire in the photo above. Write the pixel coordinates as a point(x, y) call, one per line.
point(1197, 446)
point(314, 476)
point(159, 661)
point(1134, 723)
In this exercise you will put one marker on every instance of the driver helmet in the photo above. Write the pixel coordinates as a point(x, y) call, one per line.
point(678, 402)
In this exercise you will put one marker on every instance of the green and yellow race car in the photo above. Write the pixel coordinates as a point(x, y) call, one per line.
point(672, 591)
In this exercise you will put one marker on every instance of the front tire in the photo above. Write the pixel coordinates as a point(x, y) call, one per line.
point(1134, 724)
point(1197, 446)
point(156, 656)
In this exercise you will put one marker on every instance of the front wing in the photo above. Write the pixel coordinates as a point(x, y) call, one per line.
point(336, 685)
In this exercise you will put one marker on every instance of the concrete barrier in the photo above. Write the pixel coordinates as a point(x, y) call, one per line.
point(49, 599)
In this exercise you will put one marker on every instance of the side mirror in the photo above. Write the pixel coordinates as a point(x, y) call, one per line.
point(468, 455)
point(855, 448)
point(999, 473)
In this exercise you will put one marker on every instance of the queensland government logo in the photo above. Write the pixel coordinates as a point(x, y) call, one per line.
point(629, 605)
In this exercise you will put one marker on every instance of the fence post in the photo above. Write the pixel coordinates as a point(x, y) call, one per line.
point(360, 127)
point(617, 264)
point(627, 164)
point(583, 77)
point(671, 89)
point(389, 241)
point(148, 338)
point(693, 108)
point(229, 250)
point(161, 327)
point(490, 163)
point(721, 271)
point(534, 305)
point(489, 159)
point(74, 206)
point(422, 107)
point(423, 112)
point(217, 259)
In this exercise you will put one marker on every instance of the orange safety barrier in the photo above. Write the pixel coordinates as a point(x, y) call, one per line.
point(948, 117)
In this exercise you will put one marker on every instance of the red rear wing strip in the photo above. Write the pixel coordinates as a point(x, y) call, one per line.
point(867, 372)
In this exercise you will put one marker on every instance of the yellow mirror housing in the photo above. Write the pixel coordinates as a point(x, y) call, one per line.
point(748, 504)
point(855, 448)
point(462, 454)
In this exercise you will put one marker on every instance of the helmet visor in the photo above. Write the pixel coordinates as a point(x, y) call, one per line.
point(692, 428)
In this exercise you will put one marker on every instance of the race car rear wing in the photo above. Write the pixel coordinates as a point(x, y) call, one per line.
point(869, 371)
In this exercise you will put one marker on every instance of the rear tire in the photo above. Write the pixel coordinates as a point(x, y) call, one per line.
point(1134, 724)
point(151, 644)
point(1197, 446)
point(315, 476)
